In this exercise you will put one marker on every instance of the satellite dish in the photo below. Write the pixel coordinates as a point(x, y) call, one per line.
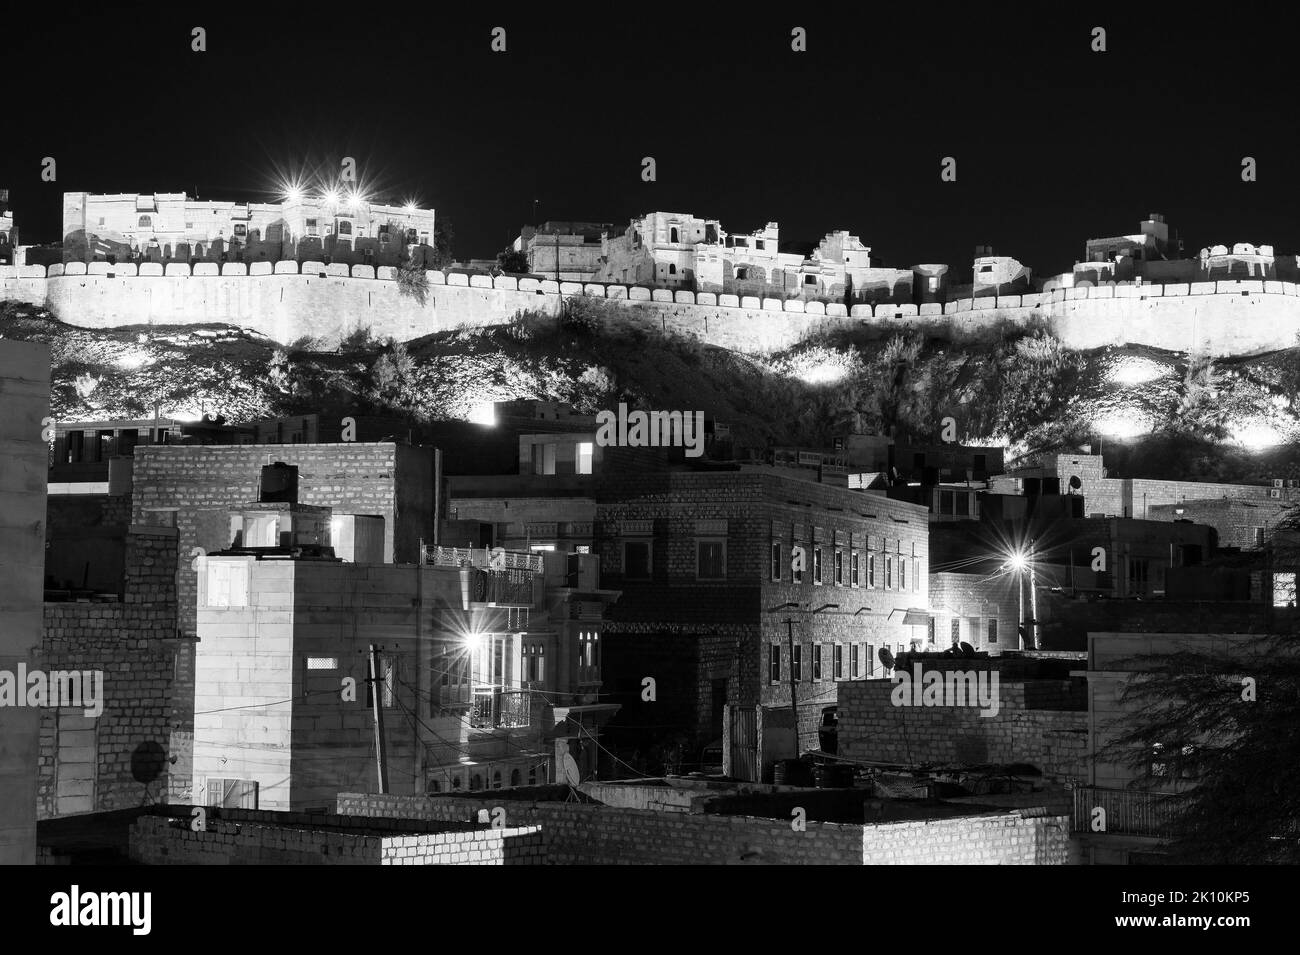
point(967, 650)
point(1075, 483)
point(569, 770)
point(886, 658)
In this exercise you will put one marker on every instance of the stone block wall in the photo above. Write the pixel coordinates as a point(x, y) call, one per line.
point(263, 838)
point(133, 644)
point(589, 834)
point(872, 728)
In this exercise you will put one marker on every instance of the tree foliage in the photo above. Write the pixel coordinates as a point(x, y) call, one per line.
point(1225, 722)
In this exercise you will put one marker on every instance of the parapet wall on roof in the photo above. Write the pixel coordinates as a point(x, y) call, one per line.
point(286, 301)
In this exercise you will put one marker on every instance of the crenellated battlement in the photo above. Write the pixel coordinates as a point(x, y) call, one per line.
point(288, 300)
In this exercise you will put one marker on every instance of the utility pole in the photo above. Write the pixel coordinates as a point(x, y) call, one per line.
point(377, 707)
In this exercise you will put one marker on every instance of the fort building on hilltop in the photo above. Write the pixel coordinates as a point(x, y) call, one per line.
point(162, 227)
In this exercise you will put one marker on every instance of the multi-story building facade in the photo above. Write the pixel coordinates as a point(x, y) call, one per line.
point(172, 226)
point(679, 250)
point(487, 664)
point(715, 613)
point(25, 391)
point(564, 251)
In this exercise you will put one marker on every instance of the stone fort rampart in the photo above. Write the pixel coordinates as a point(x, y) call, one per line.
point(286, 301)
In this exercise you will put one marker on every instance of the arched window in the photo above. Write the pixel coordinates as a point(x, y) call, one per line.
point(455, 782)
point(672, 270)
point(672, 235)
point(146, 222)
point(496, 779)
point(532, 775)
point(345, 227)
point(514, 777)
point(476, 782)
point(435, 786)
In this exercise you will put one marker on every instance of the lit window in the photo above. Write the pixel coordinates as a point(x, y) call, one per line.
point(1284, 590)
point(584, 457)
point(322, 663)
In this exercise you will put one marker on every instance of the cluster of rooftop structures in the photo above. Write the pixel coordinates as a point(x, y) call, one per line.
point(458, 609)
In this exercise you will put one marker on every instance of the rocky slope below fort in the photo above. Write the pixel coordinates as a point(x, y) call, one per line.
point(1154, 413)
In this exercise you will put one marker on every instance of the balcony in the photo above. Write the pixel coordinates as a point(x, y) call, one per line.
point(1128, 812)
point(452, 696)
point(483, 559)
point(500, 709)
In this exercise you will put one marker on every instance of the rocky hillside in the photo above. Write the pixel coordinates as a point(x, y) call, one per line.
point(1154, 413)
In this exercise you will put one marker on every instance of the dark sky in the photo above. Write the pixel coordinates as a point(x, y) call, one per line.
point(1054, 143)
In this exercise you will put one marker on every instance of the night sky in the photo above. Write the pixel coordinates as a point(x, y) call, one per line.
point(1054, 143)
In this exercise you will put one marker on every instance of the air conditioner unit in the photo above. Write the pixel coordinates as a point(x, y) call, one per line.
point(1275, 492)
point(1277, 482)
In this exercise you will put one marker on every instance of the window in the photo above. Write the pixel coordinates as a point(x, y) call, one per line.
point(774, 663)
point(672, 235)
point(322, 663)
point(589, 657)
point(796, 665)
point(916, 574)
point(855, 661)
point(956, 630)
point(711, 560)
point(1284, 590)
point(854, 578)
point(839, 568)
point(889, 572)
point(837, 662)
point(871, 571)
point(776, 560)
point(1139, 574)
point(1158, 767)
point(312, 227)
point(797, 575)
point(345, 227)
point(146, 222)
point(1257, 536)
point(742, 274)
point(993, 629)
point(411, 235)
point(902, 573)
point(817, 661)
point(584, 457)
point(535, 663)
point(227, 583)
point(973, 631)
point(817, 565)
point(637, 559)
point(188, 225)
point(672, 270)
point(241, 230)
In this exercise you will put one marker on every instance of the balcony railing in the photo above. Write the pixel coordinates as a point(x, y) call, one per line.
point(501, 709)
point(483, 559)
point(1128, 812)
